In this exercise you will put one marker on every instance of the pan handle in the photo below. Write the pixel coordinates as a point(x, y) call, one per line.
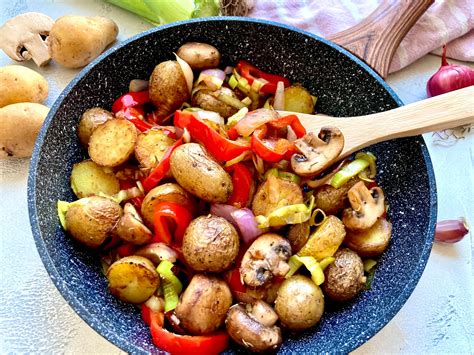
point(376, 38)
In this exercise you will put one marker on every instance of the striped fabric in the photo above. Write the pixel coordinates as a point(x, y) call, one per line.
point(445, 21)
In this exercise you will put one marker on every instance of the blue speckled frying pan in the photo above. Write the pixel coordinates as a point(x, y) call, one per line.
point(345, 86)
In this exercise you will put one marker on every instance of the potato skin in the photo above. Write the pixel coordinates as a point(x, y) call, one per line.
point(372, 241)
point(300, 303)
point(151, 146)
point(133, 279)
point(91, 220)
point(210, 244)
point(203, 306)
point(88, 179)
point(207, 101)
point(16, 142)
point(90, 120)
point(75, 41)
point(197, 172)
point(21, 84)
point(345, 276)
point(332, 200)
point(199, 56)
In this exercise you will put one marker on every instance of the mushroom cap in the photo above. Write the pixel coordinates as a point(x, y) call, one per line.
point(131, 228)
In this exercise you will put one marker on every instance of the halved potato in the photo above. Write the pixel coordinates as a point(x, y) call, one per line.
point(88, 179)
point(113, 142)
point(90, 120)
point(372, 241)
point(151, 146)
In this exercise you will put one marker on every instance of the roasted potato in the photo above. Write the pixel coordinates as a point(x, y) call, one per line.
point(298, 235)
point(325, 240)
point(298, 99)
point(21, 84)
point(91, 220)
point(113, 142)
point(133, 279)
point(210, 244)
point(332, 200)
point(168, 192)
point(199, 56)
point(300, 303)
point(88, 179)
point(372, 241)
point(151, 146)
point(345, 276)
point(209, 101)
point(90, 120)
point(197, 172)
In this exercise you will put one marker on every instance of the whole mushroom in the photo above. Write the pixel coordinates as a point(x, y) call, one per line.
point(131, 228)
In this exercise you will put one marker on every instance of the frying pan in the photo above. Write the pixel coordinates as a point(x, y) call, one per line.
point(345, 86)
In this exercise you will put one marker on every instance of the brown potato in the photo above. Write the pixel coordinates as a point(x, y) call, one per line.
point(168, 192)
point(133, 279)
point(332, 200)
point(207, 101)
point(372, 241)
point(210, 244)
point(151, 146)
point(298, 99)
point(197, 172)
point(199, 56)
point(91, 220)
point(113, 142)
point(300, 303)
point(88, 179)
point(298, 235)
point(345, 276)
point(21, 84)
point(90, 120)
point(203, 306)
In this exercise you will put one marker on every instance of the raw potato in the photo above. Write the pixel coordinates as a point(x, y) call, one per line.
point(207, 101)
point(372, 241)
point(29, 117)
point(210, 244)
point(133, 279)
point(113, 142)
point(75, 41)
point(21, 84)
point(332, 200)
point(300, 303)
point(90, 120)
point(91, 220)
point(199, 56)
point(88, 179)
point(168, 192)
point(325, 240)
point(298, 99)
point(151, 146)
point(197, 172)
point(168, 88)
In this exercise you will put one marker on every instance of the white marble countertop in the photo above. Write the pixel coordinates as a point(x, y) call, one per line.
point(34, 318)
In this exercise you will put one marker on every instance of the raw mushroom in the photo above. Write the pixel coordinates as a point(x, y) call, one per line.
point(367, 206)
point(246, 327)
point(22, 37)
point(317, 152)
point(265, 258)
point(131, 228)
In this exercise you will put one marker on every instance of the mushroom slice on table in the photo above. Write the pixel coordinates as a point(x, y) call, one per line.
point(366, 206)
point(317, 152)
point(21, 37)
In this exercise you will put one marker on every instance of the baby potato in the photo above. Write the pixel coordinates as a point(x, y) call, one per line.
point(88, 179)
point(372, 241)
point(113, 142)
point(199, 56)
point(91, 220)
point(90, 120)
point(21, 84)
point(133, 279)
point(332, 200)
point(298, 99)
point(208, 100)
point(197, 172)
point(151, 146)
point(27, 116)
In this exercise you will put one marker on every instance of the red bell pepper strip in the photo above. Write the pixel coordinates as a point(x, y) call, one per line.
point(242, 182)
point(134, 114)
point(160, 171)
point(250, 72)
point(220, 147)
point(292, 121)
point(179, 214)
point(126, 249)
point(130, 99)
point(271, 150)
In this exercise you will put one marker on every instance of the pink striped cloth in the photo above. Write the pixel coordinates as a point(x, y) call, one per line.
point(445, 21)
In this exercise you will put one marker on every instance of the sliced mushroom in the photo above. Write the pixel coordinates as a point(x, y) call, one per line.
point(317, 152)
point(367, 206)
point(157, 252)
point(131, 228)
point(265, 258)
point(22, 37)
point(244, 329)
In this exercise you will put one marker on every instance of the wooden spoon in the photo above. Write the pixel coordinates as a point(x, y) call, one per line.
point(437, 113)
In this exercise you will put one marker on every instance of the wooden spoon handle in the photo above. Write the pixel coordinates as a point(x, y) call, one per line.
point(376, 38)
